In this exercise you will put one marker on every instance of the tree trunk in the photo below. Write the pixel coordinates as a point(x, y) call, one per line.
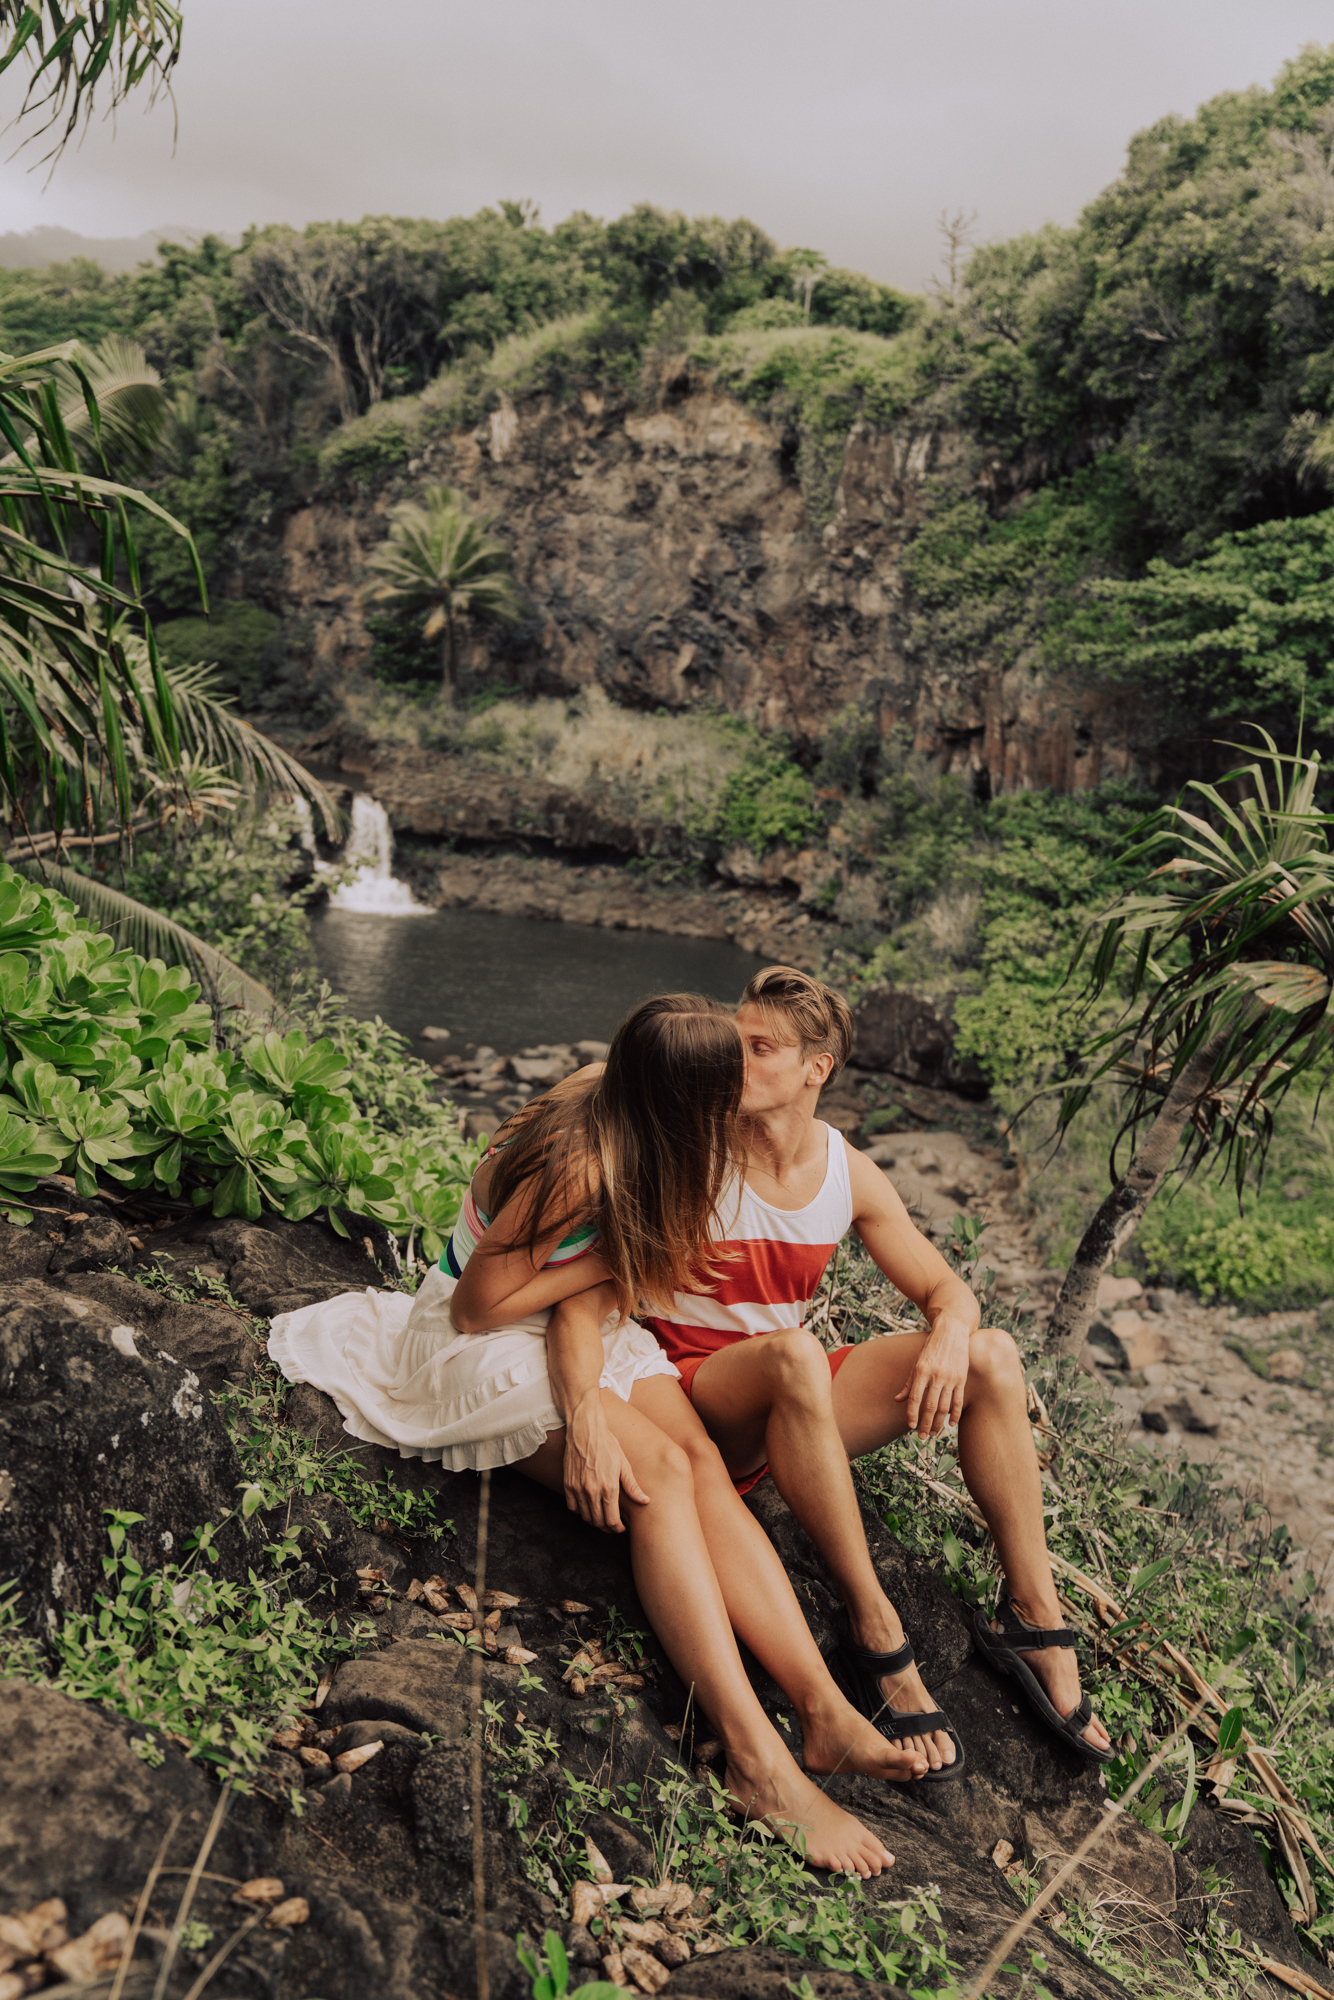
point(447, 658)
point(1118, 1218)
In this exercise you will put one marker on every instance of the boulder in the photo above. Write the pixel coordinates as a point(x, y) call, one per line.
point(96, 1241)
point(897, 1031)
point(93, 1416)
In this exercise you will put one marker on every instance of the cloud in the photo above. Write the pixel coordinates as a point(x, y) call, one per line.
point(847, 127)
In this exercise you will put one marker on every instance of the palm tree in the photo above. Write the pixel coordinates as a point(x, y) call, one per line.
point(1231, 996)
point(99, 738)
point(443, 560)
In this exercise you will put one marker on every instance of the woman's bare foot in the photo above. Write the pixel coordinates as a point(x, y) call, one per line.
point(1058, 1670)
point(835, 1738)
point(791, 1805)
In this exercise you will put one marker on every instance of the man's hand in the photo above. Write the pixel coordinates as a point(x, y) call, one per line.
point(935, 1388)
point(596, 1469)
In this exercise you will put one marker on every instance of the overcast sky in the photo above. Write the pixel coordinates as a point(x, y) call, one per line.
point(847, 125)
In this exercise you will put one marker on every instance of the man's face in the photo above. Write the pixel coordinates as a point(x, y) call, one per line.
point(777, 1074)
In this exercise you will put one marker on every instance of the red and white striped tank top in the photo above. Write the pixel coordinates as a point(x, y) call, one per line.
point(778, 1258)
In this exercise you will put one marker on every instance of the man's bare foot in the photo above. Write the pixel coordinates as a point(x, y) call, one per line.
point(791, 1805)
point(1058, 1670)
point(905, 1691)
point(835, 1738)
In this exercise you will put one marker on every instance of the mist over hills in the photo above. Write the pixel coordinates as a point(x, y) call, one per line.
point(32, 249)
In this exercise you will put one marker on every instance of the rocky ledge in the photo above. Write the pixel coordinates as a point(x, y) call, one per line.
point(348, 1868)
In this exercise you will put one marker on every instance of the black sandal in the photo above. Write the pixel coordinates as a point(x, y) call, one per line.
point(858, 1672)
point(1003, 1648)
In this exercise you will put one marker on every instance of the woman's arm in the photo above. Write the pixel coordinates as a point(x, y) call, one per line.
point(596, 1469)
point(502, 1284)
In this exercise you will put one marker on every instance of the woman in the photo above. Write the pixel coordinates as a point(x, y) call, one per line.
point(522, 1353)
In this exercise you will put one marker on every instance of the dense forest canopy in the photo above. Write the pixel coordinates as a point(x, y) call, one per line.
point(1152, 386)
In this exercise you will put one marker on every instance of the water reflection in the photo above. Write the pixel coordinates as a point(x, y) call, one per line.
point(512, 981)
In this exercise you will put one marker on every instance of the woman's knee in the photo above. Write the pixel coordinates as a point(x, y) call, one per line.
point(993, 1361)
point(662, 1463)
point(706, 1461)
point(798, 1366)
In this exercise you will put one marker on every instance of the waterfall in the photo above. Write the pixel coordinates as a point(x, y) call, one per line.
point(370, 849)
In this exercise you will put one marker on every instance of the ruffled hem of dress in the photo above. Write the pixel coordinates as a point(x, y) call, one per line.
point(480, 1456)
point(279, 1346)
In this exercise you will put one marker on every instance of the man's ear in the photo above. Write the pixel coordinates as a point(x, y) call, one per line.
point(817, 1070)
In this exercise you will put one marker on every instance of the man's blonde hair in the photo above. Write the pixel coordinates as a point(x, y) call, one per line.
point(819, 1018)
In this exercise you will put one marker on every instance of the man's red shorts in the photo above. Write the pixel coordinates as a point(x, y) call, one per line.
point(691, 1363)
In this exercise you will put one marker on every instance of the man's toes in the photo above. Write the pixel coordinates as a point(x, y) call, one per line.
point(945, 1745)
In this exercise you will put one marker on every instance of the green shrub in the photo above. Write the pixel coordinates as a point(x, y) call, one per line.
point(242, 641)
point(232, 887)
point(768, 800)
point(110, 1066)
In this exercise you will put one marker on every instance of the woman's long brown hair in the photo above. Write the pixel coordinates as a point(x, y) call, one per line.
point(642, 1152)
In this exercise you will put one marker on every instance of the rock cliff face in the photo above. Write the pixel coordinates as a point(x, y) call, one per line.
point(667, 555)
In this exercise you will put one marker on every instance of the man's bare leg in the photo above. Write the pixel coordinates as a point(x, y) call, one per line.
point(1000, 1470)
point(682, 1599)
point(773, 1397)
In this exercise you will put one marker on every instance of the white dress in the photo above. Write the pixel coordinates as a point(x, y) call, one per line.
point(402, 1375)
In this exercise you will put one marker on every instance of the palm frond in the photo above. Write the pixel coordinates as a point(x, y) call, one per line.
point(131, 407)
point(210, 727)
point(138, 928)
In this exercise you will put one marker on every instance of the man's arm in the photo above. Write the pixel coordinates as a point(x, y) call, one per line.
point(935, 1389)
point(596, 1468)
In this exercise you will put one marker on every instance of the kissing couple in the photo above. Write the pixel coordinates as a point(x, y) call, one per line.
point(688, 1180)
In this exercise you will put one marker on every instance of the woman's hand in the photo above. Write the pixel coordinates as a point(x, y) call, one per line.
point(934, 1390)
point(596, 1469)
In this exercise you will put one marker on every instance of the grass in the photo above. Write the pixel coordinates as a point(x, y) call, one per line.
point(655, 767)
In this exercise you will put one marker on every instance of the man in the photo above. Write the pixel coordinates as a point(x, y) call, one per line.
point(770, 1395)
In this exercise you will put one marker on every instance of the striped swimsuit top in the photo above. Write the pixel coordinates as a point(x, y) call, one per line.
point(778, 1257)
point(474, 1221)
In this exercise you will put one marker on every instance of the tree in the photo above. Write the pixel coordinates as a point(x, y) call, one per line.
point(1230, 996)
point(1245, 631)
point(442, 559)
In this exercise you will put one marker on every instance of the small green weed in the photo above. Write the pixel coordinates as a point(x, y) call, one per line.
point(214, 1664)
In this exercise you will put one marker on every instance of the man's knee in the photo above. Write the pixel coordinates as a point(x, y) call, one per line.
point(798, 1366)
point(993, 1361)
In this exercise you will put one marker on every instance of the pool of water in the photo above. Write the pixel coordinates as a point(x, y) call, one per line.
point(512, 981)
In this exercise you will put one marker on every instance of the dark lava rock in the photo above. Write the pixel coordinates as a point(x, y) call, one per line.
point(896, 1031)
point(217, 1344)
point(90, 1245)
point(93, 1417)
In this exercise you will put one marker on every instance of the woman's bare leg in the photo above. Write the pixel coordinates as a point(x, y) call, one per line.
point(680, 1594)
point(762, 1605)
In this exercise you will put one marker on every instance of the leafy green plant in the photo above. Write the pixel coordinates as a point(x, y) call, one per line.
point(108, 1065)
point(215, 1663)
point(767, 799)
